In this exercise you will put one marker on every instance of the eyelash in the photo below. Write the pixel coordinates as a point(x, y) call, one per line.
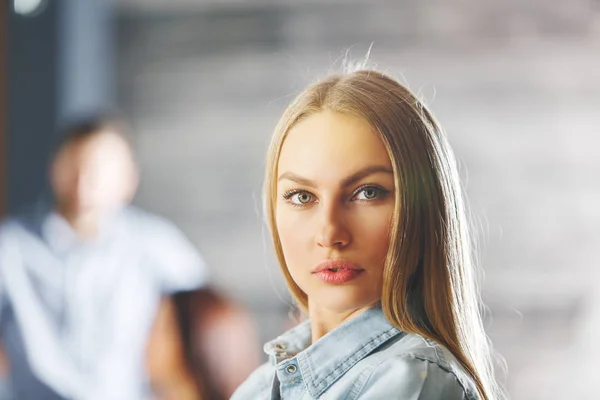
point(381, 193)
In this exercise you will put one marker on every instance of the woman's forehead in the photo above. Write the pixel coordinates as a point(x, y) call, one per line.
point(333, 146)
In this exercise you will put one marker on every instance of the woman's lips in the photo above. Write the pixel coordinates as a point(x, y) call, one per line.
point(336, 271)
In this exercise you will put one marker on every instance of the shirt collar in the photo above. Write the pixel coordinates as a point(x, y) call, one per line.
point(330, 357)
point(57, 232)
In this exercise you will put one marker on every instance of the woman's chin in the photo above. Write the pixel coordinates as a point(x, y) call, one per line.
point(341, 300)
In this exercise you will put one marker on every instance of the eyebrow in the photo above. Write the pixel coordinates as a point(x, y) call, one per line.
point(355, 177)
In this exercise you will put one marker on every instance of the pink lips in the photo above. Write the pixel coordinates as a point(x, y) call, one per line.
point(336, 271)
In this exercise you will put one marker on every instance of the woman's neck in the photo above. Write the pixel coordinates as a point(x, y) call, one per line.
point(323, 320)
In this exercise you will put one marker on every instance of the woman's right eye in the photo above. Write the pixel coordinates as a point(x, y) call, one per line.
point(298, 197)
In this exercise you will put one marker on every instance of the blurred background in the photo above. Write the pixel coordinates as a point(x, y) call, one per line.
point(515, 83)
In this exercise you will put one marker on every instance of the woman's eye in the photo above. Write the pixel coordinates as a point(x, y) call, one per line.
point(298, 198)
point(368, 193)
point(301, 198)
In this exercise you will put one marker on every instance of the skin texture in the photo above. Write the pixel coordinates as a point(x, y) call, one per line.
point(335, 202)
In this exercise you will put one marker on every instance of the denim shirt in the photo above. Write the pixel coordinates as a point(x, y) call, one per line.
point(364, 358)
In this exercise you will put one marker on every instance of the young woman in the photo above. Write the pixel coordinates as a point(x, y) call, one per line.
point(369, 224)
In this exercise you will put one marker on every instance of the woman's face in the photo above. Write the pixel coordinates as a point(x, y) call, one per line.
point(335, 201)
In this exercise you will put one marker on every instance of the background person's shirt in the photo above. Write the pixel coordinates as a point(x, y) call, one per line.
point(75, 313)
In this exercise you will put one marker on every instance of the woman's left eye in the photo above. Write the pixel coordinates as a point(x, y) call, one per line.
point(368, 193)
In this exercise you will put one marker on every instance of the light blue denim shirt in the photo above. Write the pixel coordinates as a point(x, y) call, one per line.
point(364, 358)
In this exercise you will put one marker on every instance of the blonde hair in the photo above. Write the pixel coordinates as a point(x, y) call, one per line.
point(429, 282)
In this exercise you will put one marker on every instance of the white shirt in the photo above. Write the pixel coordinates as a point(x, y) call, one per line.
point(75, 314)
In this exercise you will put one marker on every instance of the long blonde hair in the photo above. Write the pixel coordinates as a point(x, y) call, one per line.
point(429, 282)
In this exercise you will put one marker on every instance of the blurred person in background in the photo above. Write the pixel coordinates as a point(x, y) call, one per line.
point(81, 276)
point(202, 347)
point(365, 208)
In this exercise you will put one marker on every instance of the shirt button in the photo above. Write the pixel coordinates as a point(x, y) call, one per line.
point(291, 369)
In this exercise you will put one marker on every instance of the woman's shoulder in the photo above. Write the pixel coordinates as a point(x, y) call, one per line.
point(430, 368)
point(410, 367)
